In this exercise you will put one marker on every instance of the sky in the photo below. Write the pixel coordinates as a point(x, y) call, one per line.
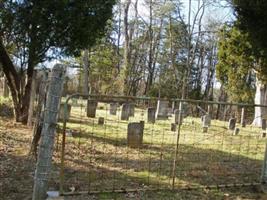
point(218, 10)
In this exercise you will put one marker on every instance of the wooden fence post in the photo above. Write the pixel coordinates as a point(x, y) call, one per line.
point(38, 124)
point(45, 153)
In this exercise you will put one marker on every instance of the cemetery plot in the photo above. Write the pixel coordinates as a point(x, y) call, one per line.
point(117, 151)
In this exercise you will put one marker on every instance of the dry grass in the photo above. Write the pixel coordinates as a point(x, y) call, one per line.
point(98, 158)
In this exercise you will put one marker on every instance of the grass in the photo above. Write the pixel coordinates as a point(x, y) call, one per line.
point(99, 159)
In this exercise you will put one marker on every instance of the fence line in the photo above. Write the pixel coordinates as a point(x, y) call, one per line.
point(187, 152)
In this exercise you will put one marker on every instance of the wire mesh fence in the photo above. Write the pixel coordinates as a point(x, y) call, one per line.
point(125, 143)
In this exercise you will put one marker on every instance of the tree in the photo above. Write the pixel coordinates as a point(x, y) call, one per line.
point(234, 68)
point(252, 19)
point(32, 32)
point(251, 16)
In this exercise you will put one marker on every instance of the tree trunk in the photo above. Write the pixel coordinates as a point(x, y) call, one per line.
point(20, 95)
point(126, 48)
point(32, 99)
point(6, 90)
point(86, 72)
point(260, 98)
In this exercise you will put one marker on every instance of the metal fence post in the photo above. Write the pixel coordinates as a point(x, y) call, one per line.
point(264, 168)
point(177, 144)
point(45, 153)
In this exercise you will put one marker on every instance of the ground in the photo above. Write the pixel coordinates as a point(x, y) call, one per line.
point(17, 168)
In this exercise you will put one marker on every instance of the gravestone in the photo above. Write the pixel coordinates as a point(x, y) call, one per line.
point(177, 119)
point(74, 101)
point(236, 131)
point(209, 109)
point(205, 129)
point(135, 134)
point(113, 108)
point(173, 127)
point(62, 110)
point(143, 125)
point(101, 121)
point(162, 109)
point(206, 120)
point(132, 108)
point(185, 109)
point(263, 124)
point(101, 107)
point(170, 112)
point(91, 108)
point(151, 115)
point(242, 121)
point(68, 133)
point(173, 107)
point(125, 111)
point(231, 124)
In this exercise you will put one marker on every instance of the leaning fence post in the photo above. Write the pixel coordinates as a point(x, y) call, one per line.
point(45, 153)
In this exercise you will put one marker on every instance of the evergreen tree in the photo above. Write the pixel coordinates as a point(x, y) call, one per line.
point(234, 68)
point(33, 28)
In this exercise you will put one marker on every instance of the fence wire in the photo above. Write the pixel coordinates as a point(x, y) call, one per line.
point(102, 154)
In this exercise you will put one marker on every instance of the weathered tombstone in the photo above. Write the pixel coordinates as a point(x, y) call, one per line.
point(236, 131)
point(185, 109)
point(74, 101)
point(177, 117)
point(91, 108)
point(135, 134)
point(125, 111)
point(180, 113)
point(263, 124)
point(173, 127)
point(209, 109)
point(151, 115)
point(68, 133)
point(101, 107)
point(101, 121)
point(205, 129)
point(132, 108)
point(206, 120)
point(231, 124)
point(242, 121)
point(62, 111)
point(170, 112)
point(143, 125)
point(113, 108)
point(162, 109)
point(263, 127)
point(173, 106)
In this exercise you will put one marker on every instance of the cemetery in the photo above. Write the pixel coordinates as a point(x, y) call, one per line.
point(133, 100)
point(138, 152)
